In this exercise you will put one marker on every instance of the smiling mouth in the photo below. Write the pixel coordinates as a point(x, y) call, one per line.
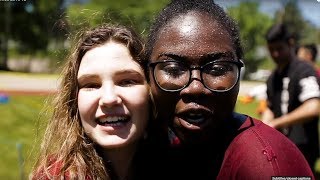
point(112, 120)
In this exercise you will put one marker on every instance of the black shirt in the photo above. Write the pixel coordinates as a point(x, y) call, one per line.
point(289, 89)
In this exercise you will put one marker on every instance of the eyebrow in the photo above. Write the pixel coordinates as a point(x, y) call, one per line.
point(121, 72)
point(128, 71)
point(173, 56)
point(214, 55)
point(87, 76)
point(218, 55)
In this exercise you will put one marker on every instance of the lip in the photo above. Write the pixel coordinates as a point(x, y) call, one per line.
point(194, 116)
point(111, 120)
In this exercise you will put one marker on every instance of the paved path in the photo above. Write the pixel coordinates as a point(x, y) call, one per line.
point(12, 83)
point(246, 86)
point(17, 84)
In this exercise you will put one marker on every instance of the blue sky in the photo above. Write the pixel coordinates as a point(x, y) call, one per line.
point(310, 9)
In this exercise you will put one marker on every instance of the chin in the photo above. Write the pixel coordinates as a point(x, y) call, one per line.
point(113, 143)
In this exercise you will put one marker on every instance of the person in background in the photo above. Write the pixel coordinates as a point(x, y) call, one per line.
point(195, 58)
point(101, 111)
point(308, 53)
point(293, 94)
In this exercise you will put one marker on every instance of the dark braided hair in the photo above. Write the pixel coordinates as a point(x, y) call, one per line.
point(179, 7)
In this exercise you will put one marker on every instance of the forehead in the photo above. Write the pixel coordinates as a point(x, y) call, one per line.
point(109, 57)
point(303, 50)
point(193, 34)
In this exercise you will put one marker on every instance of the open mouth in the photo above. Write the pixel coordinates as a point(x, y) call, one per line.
point(195, 117)
point(112, 121)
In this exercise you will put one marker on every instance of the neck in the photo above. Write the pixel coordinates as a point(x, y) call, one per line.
point(121, 159)
point(283, 65)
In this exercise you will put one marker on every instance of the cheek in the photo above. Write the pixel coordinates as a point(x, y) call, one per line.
point(161, 98)
point(87, 104)
point(166, 104)
point(226, 101)
point(137, 99)
point(137, 102)
point(232, 98)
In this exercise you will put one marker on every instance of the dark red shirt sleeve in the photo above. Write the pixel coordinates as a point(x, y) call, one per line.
point(260, 152)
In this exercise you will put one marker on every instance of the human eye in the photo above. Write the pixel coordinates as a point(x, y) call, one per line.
point(128, 82)
point(90, 86)
point(173, 69)
point(218, 68)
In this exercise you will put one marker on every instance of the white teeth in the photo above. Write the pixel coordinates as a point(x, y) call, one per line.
point(111, 119)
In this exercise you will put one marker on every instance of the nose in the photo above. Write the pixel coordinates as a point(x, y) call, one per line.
point(109, 96)
point(196, 86)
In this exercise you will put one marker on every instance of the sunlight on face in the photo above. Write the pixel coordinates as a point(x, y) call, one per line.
point(188, 24)
point(113, 96)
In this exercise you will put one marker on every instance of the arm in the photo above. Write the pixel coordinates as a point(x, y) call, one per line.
point(302, 114)
point(267, 116)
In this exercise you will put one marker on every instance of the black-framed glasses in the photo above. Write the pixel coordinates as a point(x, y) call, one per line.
point(217, 76)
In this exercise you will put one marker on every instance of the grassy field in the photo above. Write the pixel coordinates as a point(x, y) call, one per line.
point(20, 123)
point(249, 109)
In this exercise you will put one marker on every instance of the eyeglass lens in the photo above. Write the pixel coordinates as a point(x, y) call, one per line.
point(217, 76)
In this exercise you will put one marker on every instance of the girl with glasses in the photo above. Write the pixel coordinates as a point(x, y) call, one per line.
point(195, 59)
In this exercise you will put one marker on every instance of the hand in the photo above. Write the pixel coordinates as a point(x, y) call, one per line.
point(271, 123)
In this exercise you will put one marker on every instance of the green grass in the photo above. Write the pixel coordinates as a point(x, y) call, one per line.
point(19, 118)
point(248, 109)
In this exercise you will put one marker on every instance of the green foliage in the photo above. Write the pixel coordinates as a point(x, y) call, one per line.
point(137, 14)
point(18, 123)
point(291, 15)
point(267, 63)
point(310, 34)
point(253, 25)
point(31, 24)
point(304, 31)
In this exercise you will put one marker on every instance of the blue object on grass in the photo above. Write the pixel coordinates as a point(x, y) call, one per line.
point(4, 98)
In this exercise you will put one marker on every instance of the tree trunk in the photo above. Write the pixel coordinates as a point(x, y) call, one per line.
point(5, 38)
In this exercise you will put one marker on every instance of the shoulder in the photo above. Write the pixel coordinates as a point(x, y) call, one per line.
point(300, 68)
point(260, 151)
point(53, 170)
point(269, 79)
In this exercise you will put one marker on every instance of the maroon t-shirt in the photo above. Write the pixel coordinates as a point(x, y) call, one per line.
point(260, 152)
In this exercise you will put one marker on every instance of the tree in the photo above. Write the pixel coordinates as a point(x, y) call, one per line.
point(30, 25)
point(4, 35)
point(291, 15)
point(253, 25)
point(137, 14)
